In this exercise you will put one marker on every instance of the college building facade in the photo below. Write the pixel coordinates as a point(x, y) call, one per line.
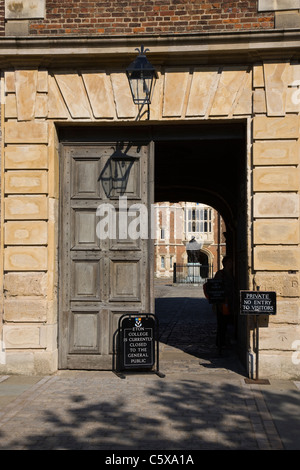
point(222, 128)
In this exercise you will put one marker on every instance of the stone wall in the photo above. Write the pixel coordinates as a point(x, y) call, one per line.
point(264, 95)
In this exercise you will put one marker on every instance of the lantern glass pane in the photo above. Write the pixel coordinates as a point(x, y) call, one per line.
point(140, 90)
point(134, 85)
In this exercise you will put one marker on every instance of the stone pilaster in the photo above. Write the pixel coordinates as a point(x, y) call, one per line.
point(275, 181)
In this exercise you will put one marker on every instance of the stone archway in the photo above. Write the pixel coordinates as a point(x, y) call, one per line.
point(38, 99)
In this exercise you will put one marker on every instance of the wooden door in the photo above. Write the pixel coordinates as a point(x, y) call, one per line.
point(102, 275)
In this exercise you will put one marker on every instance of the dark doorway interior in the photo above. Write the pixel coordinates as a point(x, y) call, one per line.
point(210, 169)
point(204, 261)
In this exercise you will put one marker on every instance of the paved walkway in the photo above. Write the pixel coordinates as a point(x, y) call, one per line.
point(202, 402)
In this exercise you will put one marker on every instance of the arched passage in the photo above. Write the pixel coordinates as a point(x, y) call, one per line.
point(208, 164)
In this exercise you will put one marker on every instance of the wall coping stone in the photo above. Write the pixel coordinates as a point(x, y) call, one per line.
point(251, 46)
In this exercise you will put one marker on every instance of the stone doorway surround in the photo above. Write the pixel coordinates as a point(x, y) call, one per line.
point(36, 98)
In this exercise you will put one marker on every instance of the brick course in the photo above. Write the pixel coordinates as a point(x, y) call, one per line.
point(111, 17)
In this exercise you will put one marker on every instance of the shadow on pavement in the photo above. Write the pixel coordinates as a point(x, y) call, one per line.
point(187, 323)
point(187, 414)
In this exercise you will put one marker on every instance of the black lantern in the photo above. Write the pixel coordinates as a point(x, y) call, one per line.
point(141, 76)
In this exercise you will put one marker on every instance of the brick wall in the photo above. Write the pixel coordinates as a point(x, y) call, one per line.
point(112, 17)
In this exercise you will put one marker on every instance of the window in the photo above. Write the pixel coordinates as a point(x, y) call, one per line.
point(199, 220)
point(193, 220)
point(162, 233)
point(205, 220)
point(162, 262)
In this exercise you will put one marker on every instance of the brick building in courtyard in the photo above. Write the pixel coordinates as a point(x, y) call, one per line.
point(176, 225)
point(222, 128)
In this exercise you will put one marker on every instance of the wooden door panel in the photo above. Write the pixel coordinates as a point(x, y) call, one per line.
point(86, 282)
point(123, 241)
point(122, 178)
point(125, 280)
point(85, 178)
point(84, 223)
point(100, 279)
point(85, 332)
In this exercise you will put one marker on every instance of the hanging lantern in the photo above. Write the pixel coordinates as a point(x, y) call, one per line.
point(141, 77)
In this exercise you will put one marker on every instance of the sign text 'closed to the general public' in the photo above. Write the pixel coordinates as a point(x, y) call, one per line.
point(138, 342)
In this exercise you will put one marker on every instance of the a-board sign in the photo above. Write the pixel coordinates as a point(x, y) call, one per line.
point(257, 303)
point(138, 342)
point(215, 290)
